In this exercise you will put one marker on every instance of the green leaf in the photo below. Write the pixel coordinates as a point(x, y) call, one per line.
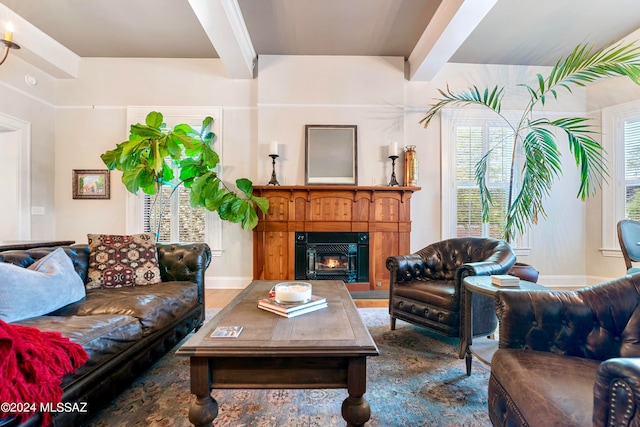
point(154, 119)
point(145, 131)
point(250, 220)
point(261, 202)
point(110, 159)
point(185, 129)
point(245, 185)
point(139, 177)
point(209, 157)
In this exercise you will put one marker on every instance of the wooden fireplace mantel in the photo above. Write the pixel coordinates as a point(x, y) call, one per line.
point(384, 212)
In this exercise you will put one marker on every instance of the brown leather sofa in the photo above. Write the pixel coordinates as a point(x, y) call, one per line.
point(124, 330)
point(568, 358)
point(425, 287)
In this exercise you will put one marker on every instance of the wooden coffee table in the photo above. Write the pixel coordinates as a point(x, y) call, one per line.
point(327, 348)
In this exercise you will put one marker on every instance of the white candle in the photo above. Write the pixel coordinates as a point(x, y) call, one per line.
point(393, 149)
point(8, 32)
point(273, 147)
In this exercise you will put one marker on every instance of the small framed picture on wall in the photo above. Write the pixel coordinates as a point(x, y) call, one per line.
point(90, 184)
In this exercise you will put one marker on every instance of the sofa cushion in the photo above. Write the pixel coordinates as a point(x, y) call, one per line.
point(116, 261)
point(156, 309)
point(546, 388)
point(45, 286)
point(439, 293)
point(103, 336)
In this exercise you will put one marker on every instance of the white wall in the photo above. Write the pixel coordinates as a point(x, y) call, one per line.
point(91, 118)
point(289, 92)
point(34, 105)
point(604, 264)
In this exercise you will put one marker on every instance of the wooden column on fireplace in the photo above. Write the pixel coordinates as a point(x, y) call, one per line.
point(383, 212)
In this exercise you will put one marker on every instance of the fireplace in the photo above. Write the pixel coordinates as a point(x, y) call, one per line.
point(332, 256)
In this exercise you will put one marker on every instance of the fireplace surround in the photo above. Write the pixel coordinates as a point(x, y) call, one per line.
point(332, 256)
point(382, 212)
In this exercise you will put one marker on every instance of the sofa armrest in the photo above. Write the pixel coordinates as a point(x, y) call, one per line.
point(616, 394)
point(482, 268)
point(405, 268)
point(184, 262)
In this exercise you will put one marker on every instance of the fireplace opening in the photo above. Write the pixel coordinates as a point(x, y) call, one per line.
point(332, 256)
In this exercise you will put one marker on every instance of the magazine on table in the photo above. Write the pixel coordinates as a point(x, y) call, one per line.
point(226, 332)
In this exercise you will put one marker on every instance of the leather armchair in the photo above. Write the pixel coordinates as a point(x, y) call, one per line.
point(568, 358)
point(425, 287)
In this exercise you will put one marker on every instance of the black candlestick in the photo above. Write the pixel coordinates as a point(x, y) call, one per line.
point(274, 180)
point(393, 171)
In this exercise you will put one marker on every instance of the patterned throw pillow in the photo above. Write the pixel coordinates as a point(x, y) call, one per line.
point(117, 261)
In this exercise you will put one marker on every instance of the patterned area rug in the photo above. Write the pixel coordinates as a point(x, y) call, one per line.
point(417, 380)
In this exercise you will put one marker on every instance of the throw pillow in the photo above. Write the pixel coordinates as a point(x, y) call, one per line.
point(116, 261)
point(43, 287)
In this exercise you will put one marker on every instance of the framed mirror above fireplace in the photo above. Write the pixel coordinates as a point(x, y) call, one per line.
point(331, 154)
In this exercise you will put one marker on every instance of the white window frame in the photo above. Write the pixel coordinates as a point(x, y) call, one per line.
point(613, 192)
point(172, 116)
point(449, 119)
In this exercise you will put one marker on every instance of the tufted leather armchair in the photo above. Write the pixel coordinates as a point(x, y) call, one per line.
point(568, 358)
point(425, 287)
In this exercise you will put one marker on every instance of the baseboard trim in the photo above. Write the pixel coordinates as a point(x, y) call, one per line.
point(567, 282)
point(226, 282)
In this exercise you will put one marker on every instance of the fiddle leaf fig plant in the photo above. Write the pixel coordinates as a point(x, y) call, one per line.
point(534, 137)
point(152, 153)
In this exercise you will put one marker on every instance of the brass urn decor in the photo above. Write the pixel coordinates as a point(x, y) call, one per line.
point(410, 166)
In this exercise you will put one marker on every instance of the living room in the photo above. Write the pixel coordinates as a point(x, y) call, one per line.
point(82, 105)
point(74, 120)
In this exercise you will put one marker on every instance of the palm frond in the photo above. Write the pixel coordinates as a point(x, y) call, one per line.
point(583, 66)
point(489, 99)
point(481, 180)
point(542, 165)
point(587, 152)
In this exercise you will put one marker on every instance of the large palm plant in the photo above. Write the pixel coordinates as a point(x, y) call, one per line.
point(535, 137)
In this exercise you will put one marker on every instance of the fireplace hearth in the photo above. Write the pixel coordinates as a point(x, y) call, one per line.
point(332, 256)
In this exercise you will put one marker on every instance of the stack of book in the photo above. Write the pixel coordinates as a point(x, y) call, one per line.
point(505, 281)
point(292, 310)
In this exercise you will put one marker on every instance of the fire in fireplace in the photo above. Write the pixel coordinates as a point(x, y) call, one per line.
point(332, 256)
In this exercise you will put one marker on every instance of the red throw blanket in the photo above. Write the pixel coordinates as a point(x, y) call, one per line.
point(32, 364)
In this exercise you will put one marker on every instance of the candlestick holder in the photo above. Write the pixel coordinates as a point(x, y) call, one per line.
point(393, 172)
point(274, 180)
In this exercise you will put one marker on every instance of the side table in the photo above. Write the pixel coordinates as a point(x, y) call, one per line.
point(481, 285)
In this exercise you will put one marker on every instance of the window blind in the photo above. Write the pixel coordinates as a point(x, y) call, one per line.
point(473, 142)
point(632, 168)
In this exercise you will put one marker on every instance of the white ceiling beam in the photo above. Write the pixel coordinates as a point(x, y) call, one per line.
point(38, 49)
point(452, 23)
point(224, 24)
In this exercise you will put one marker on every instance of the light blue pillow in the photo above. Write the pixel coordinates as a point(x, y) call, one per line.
point(47, 285)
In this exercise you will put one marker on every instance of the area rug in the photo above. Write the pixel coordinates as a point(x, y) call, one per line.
point(416, 381)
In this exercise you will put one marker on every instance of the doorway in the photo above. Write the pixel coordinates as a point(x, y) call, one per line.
point(15, 176)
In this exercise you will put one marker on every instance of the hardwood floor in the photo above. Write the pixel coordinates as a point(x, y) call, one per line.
point(218, 298)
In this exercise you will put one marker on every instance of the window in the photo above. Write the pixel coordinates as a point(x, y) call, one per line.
point(621, 196)
point(180, 222)
point(466, 137)
point(632, 167)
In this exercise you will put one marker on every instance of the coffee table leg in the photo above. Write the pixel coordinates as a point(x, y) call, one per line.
point(355, 409)
point(205, 408)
